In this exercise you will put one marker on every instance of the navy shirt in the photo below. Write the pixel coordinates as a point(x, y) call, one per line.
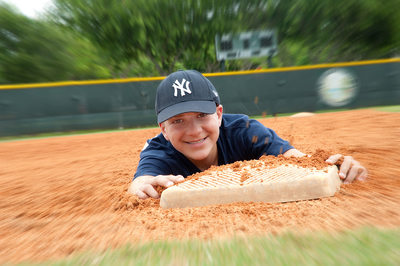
point(240, 138)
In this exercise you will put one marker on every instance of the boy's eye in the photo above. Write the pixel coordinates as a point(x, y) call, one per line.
point(202, 115)
point(177, 121)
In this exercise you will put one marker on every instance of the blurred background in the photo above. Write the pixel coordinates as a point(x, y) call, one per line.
point(103, 39)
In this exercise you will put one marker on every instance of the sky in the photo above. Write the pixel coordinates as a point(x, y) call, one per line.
point(30, 8)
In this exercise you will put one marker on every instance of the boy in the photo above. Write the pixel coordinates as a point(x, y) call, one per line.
point(195, 134)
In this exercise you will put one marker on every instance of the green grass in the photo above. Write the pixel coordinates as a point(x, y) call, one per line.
point(392, 108)
point(366, 246)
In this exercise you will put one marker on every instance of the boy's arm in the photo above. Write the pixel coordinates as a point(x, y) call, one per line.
point(145, 186)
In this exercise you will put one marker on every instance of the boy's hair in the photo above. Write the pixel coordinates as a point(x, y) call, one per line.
point(185, 91)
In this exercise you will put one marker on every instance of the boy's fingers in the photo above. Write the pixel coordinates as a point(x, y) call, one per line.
point(174, 178)
point(177, 178)
point(147, 186)
point(351, 175)
point(141, 194)
point(363, 174)
point(150, 191)
point(345, 167)
point(166, 180)
point(334, 158)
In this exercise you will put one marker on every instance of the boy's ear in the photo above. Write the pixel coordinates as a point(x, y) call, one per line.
point(162, 126)
point(220, 110)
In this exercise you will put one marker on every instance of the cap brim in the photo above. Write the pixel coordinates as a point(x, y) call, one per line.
point(207, 107)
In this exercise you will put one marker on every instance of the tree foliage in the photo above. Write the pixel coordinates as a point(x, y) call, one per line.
point(166, 32)
point(37, 51)
point(102, 38)
point(30, 51)
point(332, 30)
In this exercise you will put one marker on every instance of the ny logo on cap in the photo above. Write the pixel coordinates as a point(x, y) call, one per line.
point(179, 86)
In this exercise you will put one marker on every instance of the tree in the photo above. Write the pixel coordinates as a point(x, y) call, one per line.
point(30, 51)
point(85, 39)
point(333, 30)
point(170, 33)
point(37, 51)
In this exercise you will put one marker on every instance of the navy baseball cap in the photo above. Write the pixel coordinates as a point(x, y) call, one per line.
point(185, 91)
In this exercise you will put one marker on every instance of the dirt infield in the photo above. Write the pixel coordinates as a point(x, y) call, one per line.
point(68, 194)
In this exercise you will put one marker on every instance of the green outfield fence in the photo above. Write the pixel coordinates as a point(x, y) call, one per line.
point(126, 103)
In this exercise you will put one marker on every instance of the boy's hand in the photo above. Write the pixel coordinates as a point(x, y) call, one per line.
point(350, 169)
point(144, 186)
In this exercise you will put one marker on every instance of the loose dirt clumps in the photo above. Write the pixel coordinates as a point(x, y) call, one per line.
point(63, 195)
point(315, 161)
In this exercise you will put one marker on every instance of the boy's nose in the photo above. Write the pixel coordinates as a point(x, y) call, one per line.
point(194, 127)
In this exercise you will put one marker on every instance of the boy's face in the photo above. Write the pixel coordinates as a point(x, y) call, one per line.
point(195, 135)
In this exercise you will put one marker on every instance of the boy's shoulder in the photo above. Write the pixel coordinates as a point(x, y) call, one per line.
point(235, 120)
point(156, 144)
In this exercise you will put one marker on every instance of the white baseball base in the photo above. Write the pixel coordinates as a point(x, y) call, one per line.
point(280, 184)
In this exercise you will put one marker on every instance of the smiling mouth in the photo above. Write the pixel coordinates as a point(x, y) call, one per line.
point(197, 141)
